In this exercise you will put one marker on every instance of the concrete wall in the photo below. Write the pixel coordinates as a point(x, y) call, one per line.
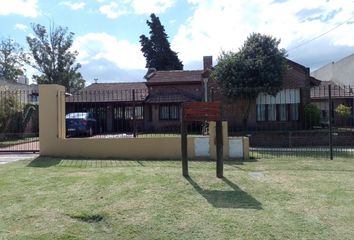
point(341, 71)
point(53, 141)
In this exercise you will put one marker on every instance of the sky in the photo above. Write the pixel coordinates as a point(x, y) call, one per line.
point(314, 32)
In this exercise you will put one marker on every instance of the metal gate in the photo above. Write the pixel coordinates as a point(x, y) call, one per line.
point(19, 117)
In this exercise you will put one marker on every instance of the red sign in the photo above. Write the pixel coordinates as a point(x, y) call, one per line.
point(202, 111)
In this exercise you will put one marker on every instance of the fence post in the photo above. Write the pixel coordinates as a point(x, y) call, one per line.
point(184, 145)
point(330, 121)
point(134, 117)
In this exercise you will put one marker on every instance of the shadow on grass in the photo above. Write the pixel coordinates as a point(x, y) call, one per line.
point(235, 198)
point(44, 162)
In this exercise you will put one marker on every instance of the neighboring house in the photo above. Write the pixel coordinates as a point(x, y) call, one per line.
point(159, 108)
point(340, 72)
point(340, 76)
point(340, 94)
point(26, 93)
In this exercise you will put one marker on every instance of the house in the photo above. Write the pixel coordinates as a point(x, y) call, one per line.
point(112, 105)
point(167, 91)
point(25, 92)
point(340, 76)
point(281, 112)
point(340, 72)
point(158, 104)
point(340, 94)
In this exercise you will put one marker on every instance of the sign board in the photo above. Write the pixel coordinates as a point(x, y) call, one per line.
point(202, 111)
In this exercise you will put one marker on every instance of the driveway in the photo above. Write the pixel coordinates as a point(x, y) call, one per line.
point(28, 146)
point(7, 158)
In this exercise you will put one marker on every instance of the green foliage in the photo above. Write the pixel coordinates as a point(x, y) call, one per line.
point(258, 67)
point(14, 115)
point(312, 115)
point(344, 112)
point(11, 60)
point(53, 58)
point(157, 49)
point(10, 113)
point(31, 114)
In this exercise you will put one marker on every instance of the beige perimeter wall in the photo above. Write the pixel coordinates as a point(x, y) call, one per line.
point(54, 143)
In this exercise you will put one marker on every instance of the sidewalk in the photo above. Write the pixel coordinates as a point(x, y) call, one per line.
point(7, 158)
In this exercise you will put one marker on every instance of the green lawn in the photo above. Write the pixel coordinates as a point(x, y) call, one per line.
point(273, 198)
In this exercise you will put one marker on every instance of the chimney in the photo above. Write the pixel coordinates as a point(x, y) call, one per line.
point(96, 80)
point(207, 62)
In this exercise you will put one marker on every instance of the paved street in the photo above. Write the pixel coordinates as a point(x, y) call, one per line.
point(7, 158)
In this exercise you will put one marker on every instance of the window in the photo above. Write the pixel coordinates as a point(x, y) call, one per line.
point(294, 112)
point(128, 113)
point(174, 112)
point(34, 98)
point(283, 112)
point(139, 112)
point(261, 112)
point(118, 112)
point(164, 113)
point(272, 112)
point(284, 106)
point(169, 112)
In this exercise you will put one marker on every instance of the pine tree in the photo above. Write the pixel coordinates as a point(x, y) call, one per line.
point(157, 49)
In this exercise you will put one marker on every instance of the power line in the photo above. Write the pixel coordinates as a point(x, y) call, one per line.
point(321, 35)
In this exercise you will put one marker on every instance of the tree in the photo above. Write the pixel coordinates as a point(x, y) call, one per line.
point(10, 111)
point(11, 60)
point(344, 112)
point(312, 115)
point(53, 58)
point(257, 67)
point(157, 49)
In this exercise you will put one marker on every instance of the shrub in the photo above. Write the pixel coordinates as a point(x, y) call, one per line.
point(312, 115)
point(343, 112)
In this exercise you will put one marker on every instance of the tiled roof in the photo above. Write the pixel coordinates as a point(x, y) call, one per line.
point(171, 98)
point(119, 86)
point(175, 76)
point(110, 92)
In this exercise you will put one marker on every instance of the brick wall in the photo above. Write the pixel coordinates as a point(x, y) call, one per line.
point(299, 139)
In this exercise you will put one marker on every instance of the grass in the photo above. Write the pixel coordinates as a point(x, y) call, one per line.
point(273, 198)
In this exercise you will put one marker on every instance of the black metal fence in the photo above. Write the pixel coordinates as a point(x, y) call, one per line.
point(316, 121)
point(19, 125)
point(127, 113)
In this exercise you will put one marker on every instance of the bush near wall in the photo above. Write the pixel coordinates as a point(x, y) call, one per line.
point(15, 116)
point(312, 115)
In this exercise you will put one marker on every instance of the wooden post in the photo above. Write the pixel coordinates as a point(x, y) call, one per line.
point(219, 150)
point(184, 145)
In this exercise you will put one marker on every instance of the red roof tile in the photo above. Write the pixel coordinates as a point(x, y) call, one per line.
point(176, 76)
